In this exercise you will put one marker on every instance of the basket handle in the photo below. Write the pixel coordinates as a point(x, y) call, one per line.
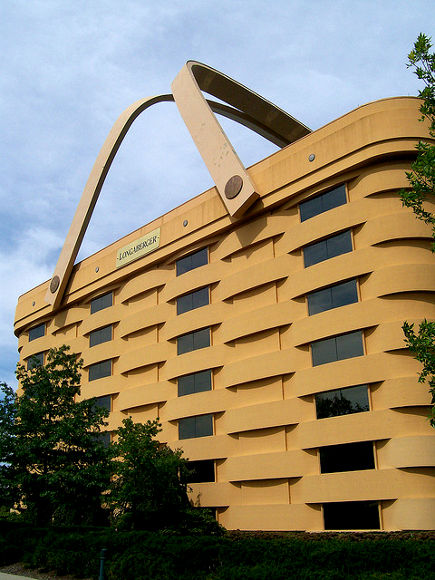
point(232, 181)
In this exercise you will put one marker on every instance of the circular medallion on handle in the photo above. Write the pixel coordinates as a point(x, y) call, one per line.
point(233, 187)
point(54, 284)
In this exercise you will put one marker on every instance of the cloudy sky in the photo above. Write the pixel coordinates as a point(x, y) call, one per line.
point(70, 67)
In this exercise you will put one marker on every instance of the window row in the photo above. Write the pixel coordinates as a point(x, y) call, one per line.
point(99, 303)
point(185, 343)
point(349, 515)
point(333, 458)
point(332, 349)
point(334, 403)
point(318, 301)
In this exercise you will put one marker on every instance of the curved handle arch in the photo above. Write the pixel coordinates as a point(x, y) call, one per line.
point(250, 110)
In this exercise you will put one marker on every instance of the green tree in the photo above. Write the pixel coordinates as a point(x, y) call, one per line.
point(8, 410)
point(422, 345)
point(55, 459)
point(422, 177)
point(147, 489)
point(422, 189)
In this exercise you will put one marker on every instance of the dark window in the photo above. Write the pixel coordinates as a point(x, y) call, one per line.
point(337, 348)
point(37, 331)
point(36, 360)
point(351, 515)
point(101, 302)
point(199, 426)
point(192, 261)
point(194, 383)
point(193, 340)
point(104, 437)
point(193, 300)
point(104, 402)
point(347, 457)
point(101, 335)
point(200, 471)
point(342, 402)
point(326, 249)
point(100, 370)
point(323, 202)
point(332, 297)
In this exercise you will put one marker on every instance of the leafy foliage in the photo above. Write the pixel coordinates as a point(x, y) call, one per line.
point(422, 344)
point(151, 555)
point(147, 490)
point(422, 176)
point(8, 410)
point(422, 189)
point(55, 461)
point(55, 468)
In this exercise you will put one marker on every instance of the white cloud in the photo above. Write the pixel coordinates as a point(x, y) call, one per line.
point(68, 69)
point(23, 265)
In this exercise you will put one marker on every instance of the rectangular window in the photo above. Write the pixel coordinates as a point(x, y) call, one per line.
point(36, 360)
point(101, 335)
point(336, 348)
point(100, 370)
point(193, 300)
point(192, 261)
point(199, 426)
point(351, 515)
point(342, 402)
point(332, 297)
point(194, 383)
point(37, 332)
point(329, 248)
point(347, 457)
point(324, 202)
point(200, 471)
point(193, 341)
point(104, 402)
point(101, 302)
point(104, 437)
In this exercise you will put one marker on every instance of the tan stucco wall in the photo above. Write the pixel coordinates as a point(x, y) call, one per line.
point(266, 433)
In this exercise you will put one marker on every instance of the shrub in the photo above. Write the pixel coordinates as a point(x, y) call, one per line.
point(171, 554)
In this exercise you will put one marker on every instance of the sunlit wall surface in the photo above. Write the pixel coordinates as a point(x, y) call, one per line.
point(271, 347)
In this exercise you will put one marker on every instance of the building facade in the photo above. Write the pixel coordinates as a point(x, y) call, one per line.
point(270, 346)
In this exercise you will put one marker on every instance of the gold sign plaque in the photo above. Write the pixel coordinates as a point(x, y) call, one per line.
point(138, 248)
